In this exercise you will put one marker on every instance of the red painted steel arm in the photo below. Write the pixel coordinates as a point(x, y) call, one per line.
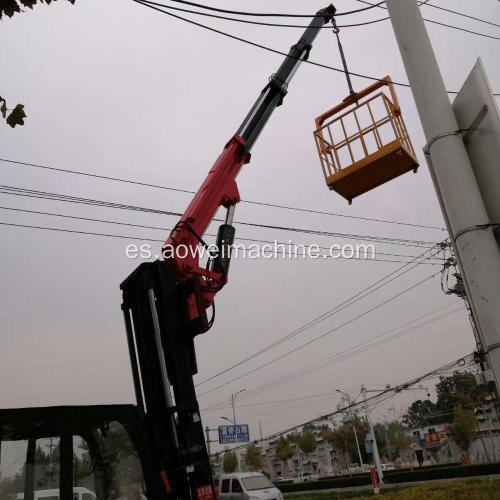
point(219, 189)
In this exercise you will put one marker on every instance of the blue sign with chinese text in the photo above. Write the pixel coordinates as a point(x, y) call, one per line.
point(234, 434)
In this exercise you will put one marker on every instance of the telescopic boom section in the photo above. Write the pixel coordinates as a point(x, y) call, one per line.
point(220, 188)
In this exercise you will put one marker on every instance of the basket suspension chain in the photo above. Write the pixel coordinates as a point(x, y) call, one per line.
point(336, 30)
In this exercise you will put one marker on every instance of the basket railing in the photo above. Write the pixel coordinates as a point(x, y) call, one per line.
point(329, 144)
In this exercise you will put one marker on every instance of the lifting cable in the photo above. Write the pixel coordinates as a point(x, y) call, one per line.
point(336, 30)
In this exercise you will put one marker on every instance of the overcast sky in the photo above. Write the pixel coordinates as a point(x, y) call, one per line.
point(117, 89)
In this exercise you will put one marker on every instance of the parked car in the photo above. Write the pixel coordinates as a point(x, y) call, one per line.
point(305, 477)
point(247, 486)
point(283, 480)
point(79, 493)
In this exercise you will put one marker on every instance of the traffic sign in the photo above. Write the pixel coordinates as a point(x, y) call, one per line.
point(234, 434)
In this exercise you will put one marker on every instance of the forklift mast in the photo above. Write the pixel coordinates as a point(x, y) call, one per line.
point(165, 302)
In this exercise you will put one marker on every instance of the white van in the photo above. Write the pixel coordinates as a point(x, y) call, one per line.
point(247, 486)
point(79, 493)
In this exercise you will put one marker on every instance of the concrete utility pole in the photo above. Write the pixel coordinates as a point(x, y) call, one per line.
point(471, 233)
point(349, 401)
point(376, 456)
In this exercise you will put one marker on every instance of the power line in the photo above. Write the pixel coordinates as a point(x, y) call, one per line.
point(261, 14)
point(440, 23)
point(432, 374)
point(287, 400)
point(31, 193)
point(107, 221)
point(323, 335)
point(463, 15)
point(256, 14)
point(258, 23)
point(384, 395)
point(61, 230)
point(143, 238)
point(274, 51)
point(347, 353)
point(334, 310)
point(368, 219)
point(258, 45)
point(302, 26)
point(266, 204)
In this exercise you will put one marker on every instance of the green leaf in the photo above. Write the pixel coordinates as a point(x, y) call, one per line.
point(16, 116)
point(3, 106)
point(9, 7)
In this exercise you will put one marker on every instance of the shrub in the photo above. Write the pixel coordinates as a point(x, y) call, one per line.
point(396, 476)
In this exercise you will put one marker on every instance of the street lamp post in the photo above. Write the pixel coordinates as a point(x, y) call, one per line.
point(232, 400)
point(349, 402)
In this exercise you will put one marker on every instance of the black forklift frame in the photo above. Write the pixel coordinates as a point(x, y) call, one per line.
point(163, 363)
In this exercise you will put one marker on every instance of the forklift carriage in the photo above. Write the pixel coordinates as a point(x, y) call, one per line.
point(363, 143)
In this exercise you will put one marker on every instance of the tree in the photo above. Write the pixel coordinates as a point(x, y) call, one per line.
point(293, 437)
point(459, 389)
point(284, 450)
point(230, 461)
point(253, 458)
point(343, 439)
point(10, 7)
point(463, 428)
point(397, 438)
point(307, 442)
point(339, 439)
point(422, 413)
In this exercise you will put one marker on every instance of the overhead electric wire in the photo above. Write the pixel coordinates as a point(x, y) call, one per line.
point(287, 400)
point(258, 23)
point(462, 14)
point(107, 221)
point(322, 317)
point(370, 399)
point(438, 22)
point(258, 14)
point(74, 231)
point(274, 51)
point(348, 353)
point(31, 193)
point(261, 23)
point(376, 397)
point(272, 205)
point(145, 238)
point(323, 335)
point(266, 14)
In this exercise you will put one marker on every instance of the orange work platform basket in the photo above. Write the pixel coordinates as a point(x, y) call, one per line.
point(363, 143)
